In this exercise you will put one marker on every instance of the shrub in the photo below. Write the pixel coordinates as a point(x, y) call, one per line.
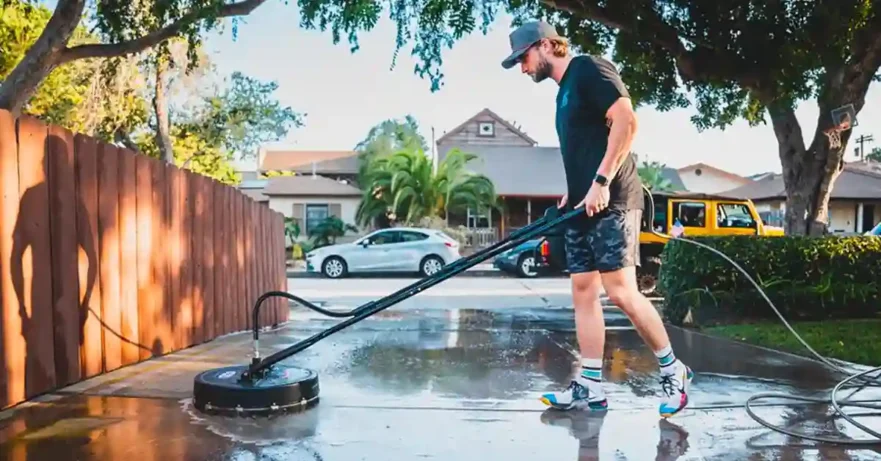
point(806, 278)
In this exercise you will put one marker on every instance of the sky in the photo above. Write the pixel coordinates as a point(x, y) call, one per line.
point(334, 88)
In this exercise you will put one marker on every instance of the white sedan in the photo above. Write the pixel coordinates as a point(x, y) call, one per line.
point(398, 249)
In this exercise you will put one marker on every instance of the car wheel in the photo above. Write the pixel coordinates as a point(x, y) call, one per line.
point(334, 267)
point(526, 267)
point(431, 265)
point(647, 275)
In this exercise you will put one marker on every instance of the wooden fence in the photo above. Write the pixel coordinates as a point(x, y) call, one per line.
point(108, 258)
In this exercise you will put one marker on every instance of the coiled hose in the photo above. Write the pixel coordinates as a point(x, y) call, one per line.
point(868, 382)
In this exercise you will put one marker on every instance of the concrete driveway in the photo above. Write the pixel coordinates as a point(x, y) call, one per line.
point(432, 380)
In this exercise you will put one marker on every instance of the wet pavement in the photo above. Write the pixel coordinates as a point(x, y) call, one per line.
point(441, 383)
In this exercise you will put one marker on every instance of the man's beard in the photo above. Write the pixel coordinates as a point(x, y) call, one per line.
point(543, 71)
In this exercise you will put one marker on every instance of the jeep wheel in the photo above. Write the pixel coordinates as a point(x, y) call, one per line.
point(647, 275)
point(526, 267)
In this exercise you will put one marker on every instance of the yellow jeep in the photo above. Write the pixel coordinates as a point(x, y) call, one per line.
point(699, 215)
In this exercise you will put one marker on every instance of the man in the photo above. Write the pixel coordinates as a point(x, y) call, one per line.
point(596, 124)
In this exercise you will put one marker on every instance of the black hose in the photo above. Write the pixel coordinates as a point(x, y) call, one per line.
point(869, 382)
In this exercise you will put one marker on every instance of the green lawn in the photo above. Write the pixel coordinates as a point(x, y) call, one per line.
point(857, 341)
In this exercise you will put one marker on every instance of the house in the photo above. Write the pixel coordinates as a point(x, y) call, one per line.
point(854, 204)
point(252, 185)
point(528, 178)
point(340, 165)
point(707, 179)
point(310, 199)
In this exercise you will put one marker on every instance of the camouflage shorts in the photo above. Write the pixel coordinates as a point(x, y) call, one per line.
point(604, 243)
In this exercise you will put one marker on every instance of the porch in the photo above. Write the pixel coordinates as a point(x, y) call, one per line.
point(487, 227)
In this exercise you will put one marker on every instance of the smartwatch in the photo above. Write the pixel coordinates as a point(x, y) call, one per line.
point(601, 180)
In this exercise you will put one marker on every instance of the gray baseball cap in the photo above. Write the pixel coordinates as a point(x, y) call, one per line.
point(525, 36)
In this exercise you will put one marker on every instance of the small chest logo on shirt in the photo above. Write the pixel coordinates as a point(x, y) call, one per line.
point(564, 99)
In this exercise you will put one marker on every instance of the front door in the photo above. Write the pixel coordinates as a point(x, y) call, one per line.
point(868, 217)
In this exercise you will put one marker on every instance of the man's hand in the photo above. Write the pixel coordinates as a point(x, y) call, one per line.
point(596, 200)
point(563, 200)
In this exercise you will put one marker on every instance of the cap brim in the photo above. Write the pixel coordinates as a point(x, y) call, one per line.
point(513, 59)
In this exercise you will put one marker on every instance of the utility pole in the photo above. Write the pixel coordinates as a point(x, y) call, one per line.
point(862, 140)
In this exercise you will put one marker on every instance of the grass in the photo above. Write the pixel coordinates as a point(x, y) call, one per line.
point(857, 341)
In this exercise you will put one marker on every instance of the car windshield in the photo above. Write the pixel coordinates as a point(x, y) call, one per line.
point(876, 230)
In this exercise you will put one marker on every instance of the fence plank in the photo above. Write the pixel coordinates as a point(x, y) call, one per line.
point(209, 273)
point(160, 261)
point(219, 262)
point(88, 262)
point(176, 252)
point(147, 289)
point(63, 212)
point(261, 267)
point(108, 225)
point(32, 234)
point(251, 291)
point(185, 205)
point(273, 242)
point(128, 274)
point(12, 357)
point(241, 293)
point(281, 276)
point(197, 256)
point(224, 245)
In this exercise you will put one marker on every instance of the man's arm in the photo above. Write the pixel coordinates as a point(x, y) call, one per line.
point(622, 130)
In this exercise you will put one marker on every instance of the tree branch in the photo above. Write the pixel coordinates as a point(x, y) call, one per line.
point(106, 50)
point(701, 63)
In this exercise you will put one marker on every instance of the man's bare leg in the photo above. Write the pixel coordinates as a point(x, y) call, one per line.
point(623, 291)
point(590, 331)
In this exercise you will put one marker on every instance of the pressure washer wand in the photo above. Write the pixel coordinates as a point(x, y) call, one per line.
point(516, 238)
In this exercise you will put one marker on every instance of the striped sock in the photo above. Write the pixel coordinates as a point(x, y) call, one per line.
point(666, 358)
point(592, 369)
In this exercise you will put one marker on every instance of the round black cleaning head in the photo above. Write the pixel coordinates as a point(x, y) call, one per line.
point(278, 389)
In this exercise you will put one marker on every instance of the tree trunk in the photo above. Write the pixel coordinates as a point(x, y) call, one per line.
point(808, 172)
point(42, 57)
point(160, 105)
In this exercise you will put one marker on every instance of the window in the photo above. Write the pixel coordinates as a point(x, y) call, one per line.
point(315, 214)
point(690, 214)
point(477, 218)
point(384, 238)
point(412, 236)
point(734, 215)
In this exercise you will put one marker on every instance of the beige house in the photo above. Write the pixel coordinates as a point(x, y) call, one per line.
point(707, 179)
point(311, 199)
point(854, 205)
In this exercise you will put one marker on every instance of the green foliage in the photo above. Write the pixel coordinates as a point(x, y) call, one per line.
point(387, 138)
point(652, 176)
point(806, 278)
point(856, 341)
point(82, 96)
point(736, 57)
point(327, 231)
point(246, 115)
point(404, 187)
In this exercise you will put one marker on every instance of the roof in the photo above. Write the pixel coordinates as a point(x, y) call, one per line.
point(293, 159)
point(255, 195)
point(672, 175)
point(856, 181)
point(308, 185)
point(704, 166)
point(519, 170)
point(495, 117)
point(344, 165)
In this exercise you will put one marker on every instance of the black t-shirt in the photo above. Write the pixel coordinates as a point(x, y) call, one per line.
point(588, 88)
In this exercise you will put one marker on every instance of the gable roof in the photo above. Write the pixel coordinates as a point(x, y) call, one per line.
point(519, 170)
point(494, 116)
point(704, 166)
point(302, 159)
point(672, 175)
point(856, 181)
point(342, 165)
point(308, 186)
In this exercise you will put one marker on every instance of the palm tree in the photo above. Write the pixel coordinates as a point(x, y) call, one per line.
point(652, 175)
point(404, 187)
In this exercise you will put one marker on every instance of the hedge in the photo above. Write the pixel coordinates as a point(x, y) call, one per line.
point(807, 278)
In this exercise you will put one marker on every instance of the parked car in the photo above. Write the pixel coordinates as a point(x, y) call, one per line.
point(875, 231)
point(399, 249)
point(518, 260)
